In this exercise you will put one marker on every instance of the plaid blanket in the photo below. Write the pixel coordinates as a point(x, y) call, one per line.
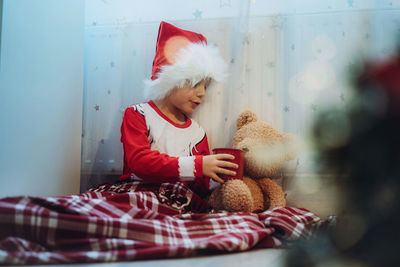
point(135, 221)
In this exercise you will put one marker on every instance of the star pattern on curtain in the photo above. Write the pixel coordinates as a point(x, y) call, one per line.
point(197, 14)
point(225, 3)
point(314, 107)
point(350, 3)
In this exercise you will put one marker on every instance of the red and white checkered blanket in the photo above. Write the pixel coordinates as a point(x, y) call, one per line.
point(136, 221)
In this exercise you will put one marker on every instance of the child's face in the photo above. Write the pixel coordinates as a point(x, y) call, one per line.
point(188, 98)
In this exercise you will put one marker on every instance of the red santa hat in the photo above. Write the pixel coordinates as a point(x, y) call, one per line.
point(182, 56)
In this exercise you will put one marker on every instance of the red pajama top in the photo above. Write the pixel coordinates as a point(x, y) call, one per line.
point(158, 150)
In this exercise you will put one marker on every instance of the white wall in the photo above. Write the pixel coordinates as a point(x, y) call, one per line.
point(41, 83)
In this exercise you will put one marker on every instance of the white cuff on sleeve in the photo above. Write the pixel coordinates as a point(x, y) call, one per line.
point(186, 168)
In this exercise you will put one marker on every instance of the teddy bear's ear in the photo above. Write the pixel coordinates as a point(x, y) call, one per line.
point(245, 117)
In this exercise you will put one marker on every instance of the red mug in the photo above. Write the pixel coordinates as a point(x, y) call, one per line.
point(239, 160)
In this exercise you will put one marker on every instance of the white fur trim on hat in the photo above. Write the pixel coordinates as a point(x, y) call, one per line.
point(194, 63)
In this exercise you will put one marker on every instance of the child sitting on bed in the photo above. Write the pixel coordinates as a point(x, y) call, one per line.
point(161, 142)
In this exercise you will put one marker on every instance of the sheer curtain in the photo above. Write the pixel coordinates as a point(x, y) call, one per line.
point(287, 61)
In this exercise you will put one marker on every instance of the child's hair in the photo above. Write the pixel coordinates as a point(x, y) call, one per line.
point(182, 56)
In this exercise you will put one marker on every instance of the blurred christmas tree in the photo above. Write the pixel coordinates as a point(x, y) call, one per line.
point(360, 146)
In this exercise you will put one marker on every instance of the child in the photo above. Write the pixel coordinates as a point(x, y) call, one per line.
point(161, 143)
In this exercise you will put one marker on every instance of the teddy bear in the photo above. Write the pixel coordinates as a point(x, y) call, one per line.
point(265, 151)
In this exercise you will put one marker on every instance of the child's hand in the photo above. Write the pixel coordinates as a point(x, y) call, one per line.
point(217, 163)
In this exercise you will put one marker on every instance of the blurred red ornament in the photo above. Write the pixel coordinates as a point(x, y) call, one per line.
point(386, 74)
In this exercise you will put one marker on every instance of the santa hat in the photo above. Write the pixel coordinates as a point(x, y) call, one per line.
point(182, 56)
